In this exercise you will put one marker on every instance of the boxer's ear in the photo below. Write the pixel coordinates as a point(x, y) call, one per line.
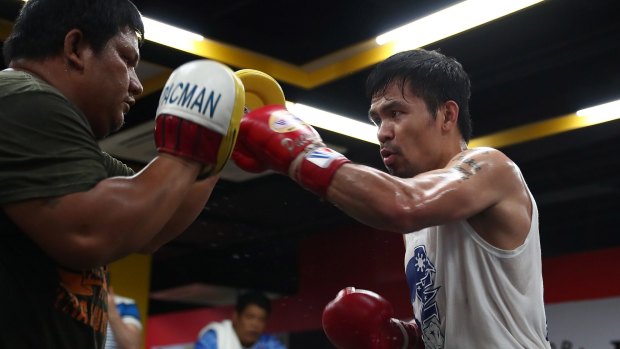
point(449, 113)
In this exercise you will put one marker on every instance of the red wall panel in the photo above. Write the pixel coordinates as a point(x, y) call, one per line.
point(373, 260)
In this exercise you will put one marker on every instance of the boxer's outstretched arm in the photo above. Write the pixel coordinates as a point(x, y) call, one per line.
point(471, 182)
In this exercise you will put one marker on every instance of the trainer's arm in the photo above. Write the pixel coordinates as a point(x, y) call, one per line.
point(185, 215)
point(118, 216)
point(468, 185)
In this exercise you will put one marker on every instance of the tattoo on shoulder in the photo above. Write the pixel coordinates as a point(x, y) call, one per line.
point(467, 168)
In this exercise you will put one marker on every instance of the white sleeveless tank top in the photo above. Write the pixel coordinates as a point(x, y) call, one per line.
point(469, 294)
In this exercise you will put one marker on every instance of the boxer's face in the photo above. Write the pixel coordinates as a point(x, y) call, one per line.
point(409, 134)
point(113, 83)
point(250, 324)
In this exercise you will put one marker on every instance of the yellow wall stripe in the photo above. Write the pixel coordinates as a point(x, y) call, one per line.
point(532, 131)
point(349, 65)
point(332, 67)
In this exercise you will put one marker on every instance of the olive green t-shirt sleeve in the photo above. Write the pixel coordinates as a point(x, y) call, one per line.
point(47, 148)
point(115, 167)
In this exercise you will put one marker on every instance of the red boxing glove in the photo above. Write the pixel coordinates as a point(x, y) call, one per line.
point(360, 319)
point(271, 137)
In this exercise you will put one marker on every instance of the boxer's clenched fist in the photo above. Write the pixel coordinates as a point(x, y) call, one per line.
point(360, 319)
point(199, 113)
point(271, 137)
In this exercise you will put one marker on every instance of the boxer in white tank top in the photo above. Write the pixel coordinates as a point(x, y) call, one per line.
point(473, 259)
point(470, 223)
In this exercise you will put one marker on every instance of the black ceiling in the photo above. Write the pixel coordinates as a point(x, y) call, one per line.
point(546, 61)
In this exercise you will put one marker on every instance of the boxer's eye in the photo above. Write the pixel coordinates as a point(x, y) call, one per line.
point(375, 120)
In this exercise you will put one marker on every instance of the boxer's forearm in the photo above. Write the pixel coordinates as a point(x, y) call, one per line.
point(372, 197)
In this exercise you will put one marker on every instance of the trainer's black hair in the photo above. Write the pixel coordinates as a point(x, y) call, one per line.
point(432, 76)
point(253, 297)
point(41, 25)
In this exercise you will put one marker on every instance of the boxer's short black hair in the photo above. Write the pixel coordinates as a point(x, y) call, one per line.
point(432, 76)
point(41, 25)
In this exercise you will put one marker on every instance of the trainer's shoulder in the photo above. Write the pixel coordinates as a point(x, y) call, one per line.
point(14, 82)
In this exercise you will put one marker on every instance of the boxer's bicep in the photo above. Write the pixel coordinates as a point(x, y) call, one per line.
point(469, 184)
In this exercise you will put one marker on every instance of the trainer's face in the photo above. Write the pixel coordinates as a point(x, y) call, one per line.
point(250, 324)
point(113, 82)
point(408, 133)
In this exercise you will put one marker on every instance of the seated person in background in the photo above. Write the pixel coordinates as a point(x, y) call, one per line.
point(124, 326)
point(245, 330)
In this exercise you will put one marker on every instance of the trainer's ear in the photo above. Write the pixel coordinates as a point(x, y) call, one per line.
point(450, 115)
point(73, 49)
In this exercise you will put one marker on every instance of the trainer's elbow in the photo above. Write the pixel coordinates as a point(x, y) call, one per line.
point(83, 255)
point(94, 249)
